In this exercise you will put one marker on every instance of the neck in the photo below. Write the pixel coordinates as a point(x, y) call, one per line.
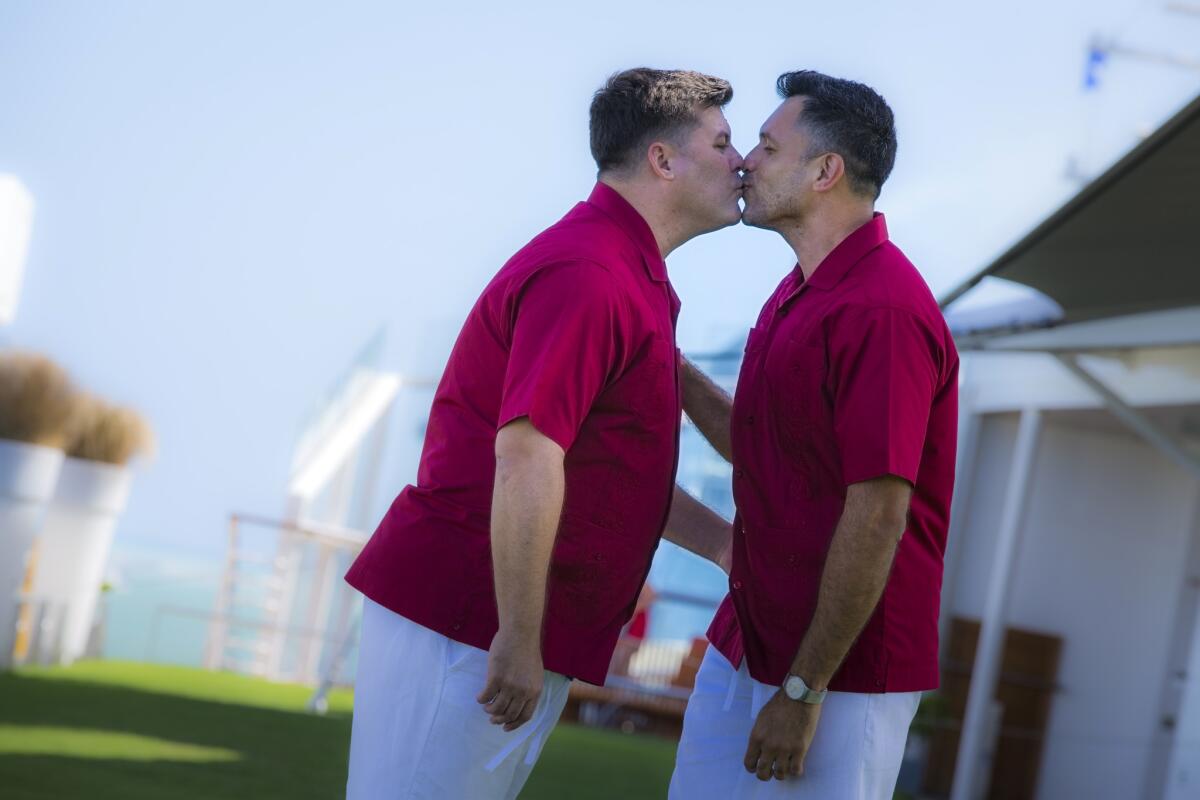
point(815, 237)
point(668, 232)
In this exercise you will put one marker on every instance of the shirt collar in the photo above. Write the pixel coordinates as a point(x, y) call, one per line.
point(627, 218)
point(849, 252)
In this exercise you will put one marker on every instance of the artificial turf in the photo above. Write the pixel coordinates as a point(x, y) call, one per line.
point(106, 730)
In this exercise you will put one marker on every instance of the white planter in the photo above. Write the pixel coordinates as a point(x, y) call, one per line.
point(73, 549)
point(28, 473)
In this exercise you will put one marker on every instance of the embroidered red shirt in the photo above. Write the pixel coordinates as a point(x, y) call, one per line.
point(577, 333)
point(848, 376)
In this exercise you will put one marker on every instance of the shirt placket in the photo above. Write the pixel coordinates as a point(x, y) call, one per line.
point(672, 301)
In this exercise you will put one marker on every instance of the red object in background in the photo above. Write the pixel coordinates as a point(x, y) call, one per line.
point(638, 625)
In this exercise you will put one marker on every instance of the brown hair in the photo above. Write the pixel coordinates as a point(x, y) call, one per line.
point(638, 105)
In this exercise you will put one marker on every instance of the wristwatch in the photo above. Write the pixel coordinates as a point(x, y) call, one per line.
point(796, 689)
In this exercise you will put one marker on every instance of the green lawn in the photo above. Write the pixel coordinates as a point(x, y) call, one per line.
point(110, 730)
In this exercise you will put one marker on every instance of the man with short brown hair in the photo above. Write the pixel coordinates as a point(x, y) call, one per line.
point(548, 467)
point(842, 439)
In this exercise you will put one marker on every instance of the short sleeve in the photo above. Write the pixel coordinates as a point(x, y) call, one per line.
point(568, 335)
point(883, 377)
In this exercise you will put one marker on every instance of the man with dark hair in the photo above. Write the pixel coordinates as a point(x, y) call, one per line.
point(548, 467)
point(842, 439)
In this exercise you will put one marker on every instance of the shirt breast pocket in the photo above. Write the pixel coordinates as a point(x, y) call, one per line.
point(650, 385)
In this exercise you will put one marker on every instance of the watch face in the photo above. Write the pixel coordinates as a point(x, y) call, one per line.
point(793, 687)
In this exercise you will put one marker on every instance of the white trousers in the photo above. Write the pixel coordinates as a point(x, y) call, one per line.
point(418, 731)
point(855, 753)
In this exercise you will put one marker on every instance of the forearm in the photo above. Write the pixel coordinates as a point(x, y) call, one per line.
point(708, 406)
point(697, 528)
point(526, 505)
point(855, 574)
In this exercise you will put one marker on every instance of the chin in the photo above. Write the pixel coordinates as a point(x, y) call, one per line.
point(756, 216)
point(724, 218)
point(751, 218)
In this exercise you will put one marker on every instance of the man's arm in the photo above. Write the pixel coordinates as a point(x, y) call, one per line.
point(526, 505)
point(697, 528)
point(855, 574)
point(708, 406)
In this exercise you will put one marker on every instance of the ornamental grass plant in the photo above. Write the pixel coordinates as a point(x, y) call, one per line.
point(108, 433)
point(38, 402)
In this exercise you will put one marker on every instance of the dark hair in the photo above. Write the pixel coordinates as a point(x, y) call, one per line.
point(849, 119)
point(638, 105)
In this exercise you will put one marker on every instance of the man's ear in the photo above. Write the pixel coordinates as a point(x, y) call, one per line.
point(833, 168)
point(659, 155)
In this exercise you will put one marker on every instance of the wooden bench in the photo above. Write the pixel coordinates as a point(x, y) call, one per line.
point(625, 704)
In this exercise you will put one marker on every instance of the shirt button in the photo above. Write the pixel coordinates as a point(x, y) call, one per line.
point(737, 584)
point(739, 473)
point(456, 626)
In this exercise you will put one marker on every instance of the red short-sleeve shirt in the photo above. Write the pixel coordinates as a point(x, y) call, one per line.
point(848, 376)
point(577, 333)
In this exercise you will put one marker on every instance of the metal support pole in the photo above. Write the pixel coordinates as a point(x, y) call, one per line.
point(324, 582)
point(218, 632)
point(967, 773)
point(345, 638)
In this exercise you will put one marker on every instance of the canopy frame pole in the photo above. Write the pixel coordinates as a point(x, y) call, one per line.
point(968, 775)
point(1135, 419)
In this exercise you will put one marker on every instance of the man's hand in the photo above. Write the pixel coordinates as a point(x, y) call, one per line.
point(514, 680)
point(781, 737)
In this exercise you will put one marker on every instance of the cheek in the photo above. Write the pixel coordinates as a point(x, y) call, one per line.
point(711, 174)
point(774, 181)
point(712, 182)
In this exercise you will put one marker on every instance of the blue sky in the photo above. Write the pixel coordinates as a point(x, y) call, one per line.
point(231, 197)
